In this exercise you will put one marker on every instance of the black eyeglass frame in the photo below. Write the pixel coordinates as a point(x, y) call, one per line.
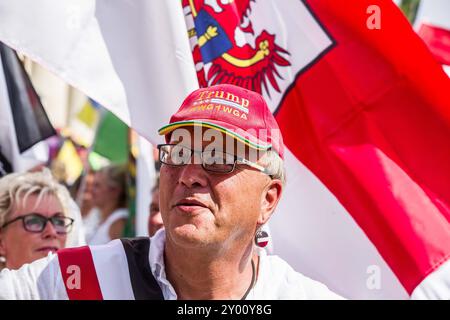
point(236, 160)
point(46, 220)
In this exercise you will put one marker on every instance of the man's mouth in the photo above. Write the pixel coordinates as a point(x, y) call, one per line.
point(190, 205)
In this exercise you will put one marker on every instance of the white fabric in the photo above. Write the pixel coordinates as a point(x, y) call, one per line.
point(145, 180)
point(435, 286)
point(90, 223)
point(115, 283)
point(40, 280)
point(101, 235)
point(447, 70)
point(435, 12)
point(314, 233)
point(276, 280)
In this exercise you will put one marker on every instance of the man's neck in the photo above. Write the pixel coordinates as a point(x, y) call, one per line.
point(201, 276)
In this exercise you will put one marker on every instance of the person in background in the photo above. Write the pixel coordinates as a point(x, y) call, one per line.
point(81, 192)
point(154, 219)
point(109, 197)
point(34, 217)
point(214, 202)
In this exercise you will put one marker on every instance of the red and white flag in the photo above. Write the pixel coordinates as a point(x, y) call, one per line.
point(363, 106)
point(433, 26)
point(365, 112)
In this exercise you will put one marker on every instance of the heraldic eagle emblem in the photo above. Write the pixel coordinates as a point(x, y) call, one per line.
point(220, 37)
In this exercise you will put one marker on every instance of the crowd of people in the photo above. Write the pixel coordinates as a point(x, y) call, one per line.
point(206, 218)
point(38, 214)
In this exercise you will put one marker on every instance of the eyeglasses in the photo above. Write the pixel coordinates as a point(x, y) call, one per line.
point(211, 160)
point(35, 222)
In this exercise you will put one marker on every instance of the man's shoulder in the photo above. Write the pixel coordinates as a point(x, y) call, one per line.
point(136, 242)
point(287, 283)
point(130, 249)
point(127, 243)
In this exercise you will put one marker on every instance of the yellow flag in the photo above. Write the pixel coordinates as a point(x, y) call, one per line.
point(73, 166)
point(88, 114)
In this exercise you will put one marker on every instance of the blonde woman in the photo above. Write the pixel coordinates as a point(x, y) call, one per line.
point(34, 217)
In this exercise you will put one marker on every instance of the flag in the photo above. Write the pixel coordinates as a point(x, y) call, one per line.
point(132, 57)
point(93, 42)
point(24, 123)
point(146, 177)
point(5, 166)
point(130, 226)
point(111, 139)
point(433, 26)
point(364, 112)
point(89, 113)
point(438, 40)
point(97, 161)
point(69, 158)
point(360, 101)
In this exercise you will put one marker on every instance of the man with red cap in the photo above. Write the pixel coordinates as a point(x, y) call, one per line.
point(221, 178)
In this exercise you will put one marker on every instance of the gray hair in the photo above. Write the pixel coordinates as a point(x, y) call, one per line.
point(274, 165)
point(156, 184)
point(15, 188)
point(116, 177)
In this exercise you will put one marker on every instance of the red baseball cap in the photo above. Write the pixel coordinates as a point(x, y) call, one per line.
point(235, 111)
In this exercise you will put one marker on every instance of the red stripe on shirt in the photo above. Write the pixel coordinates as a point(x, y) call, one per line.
point(79, 275)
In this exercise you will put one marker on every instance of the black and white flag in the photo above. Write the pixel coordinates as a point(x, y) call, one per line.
point(23, 121)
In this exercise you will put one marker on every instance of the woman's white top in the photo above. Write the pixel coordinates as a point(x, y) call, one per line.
point(101, 235)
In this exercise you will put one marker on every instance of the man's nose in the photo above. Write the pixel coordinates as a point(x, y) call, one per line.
point(192, 174)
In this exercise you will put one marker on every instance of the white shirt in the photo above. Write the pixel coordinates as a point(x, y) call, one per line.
point(101, 234)
point(276, 280)
point(90, 223)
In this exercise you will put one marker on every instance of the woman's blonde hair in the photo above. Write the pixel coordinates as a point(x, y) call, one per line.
point(15, 188)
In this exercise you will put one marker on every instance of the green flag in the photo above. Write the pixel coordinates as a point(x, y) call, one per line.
point(111, 140)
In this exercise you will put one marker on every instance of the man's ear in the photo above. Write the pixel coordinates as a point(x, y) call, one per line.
point(269, 201)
